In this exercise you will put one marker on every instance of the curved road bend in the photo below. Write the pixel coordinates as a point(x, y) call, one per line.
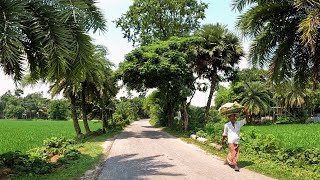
point(144, 152)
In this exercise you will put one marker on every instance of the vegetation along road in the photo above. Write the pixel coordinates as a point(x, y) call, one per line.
point(145, 152)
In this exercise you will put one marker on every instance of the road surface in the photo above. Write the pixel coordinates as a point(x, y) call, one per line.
point(144, 152)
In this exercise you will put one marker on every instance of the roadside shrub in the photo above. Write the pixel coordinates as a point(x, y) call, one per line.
point(196, 118)
point(152, 107)
point(62, 147)
point(215, 116)
point(265, 143)
point(290, 120)
point(201, 133)
point(38, 160)
point(20, 162)
point(210, 128)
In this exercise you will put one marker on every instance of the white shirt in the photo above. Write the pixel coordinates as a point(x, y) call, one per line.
point(233, 133)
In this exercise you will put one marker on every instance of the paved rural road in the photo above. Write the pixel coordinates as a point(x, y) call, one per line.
point(145, 152)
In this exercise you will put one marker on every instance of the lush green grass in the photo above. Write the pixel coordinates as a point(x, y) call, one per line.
point(291, 135)
point(25, 135)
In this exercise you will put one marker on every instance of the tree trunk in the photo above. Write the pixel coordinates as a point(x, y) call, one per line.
point(84, 109)
point(212, 88)
point(185, 116)
point(104, 118)
point(74, 115)
point(170, 114)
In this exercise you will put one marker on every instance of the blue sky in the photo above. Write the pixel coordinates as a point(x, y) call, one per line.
point(218, 11)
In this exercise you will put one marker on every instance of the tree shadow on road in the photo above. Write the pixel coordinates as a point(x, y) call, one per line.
point(128, 167)
point(243, 164)
point(144, 134)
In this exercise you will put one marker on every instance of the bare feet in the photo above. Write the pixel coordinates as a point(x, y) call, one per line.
point(236, 168)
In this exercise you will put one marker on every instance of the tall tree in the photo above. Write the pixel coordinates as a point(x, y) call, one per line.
point(217, 56)
point(98, 86)
point(146, 21)
point(164, 65)
point(285, 36)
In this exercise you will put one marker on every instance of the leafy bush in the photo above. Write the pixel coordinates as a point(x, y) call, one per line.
point(265, 143)
point(20, 162)
point(152, 106)
point(38, 160)
point(290, 120)
point(201, 133)
point(196, 118)
point(128, 110)
point(215, 116)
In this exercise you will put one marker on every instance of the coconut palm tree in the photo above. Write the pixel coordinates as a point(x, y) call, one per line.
point(97, 85)
point(217, 56)
point(69, 88)
point(285, 36)
point(46, 35)
point(255, 98)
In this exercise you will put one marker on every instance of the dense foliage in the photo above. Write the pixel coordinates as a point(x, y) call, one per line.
point(59, 110)
point(164, 65)
point(32, 106)
point(145, 22)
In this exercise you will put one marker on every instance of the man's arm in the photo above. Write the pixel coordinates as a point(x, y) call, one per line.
point(222, 140)
point(224, 135)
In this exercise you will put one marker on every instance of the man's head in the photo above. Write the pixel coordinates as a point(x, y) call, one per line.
point(232, 116)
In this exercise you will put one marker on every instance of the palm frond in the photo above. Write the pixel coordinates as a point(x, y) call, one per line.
point(309, 29)
point(11, 47)
point(241, 4)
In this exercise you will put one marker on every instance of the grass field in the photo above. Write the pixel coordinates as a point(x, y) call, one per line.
point(291, 135)
point(25, 135)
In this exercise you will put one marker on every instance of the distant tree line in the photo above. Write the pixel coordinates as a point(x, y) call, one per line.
point(33, 106)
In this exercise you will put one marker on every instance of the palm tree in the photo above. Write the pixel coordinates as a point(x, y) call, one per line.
point(285, 36)
point(217, 56)
point(295, 96)
point(255, 98)
point(46, 35)
point(69, 87)
point(98, 84)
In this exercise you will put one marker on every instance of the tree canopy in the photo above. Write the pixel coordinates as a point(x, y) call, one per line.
point(146, 21)
point(165, 65)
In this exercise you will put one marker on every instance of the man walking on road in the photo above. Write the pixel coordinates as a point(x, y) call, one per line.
point(232, 132)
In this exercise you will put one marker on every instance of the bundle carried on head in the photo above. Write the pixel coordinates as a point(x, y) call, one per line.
point(230, 108)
